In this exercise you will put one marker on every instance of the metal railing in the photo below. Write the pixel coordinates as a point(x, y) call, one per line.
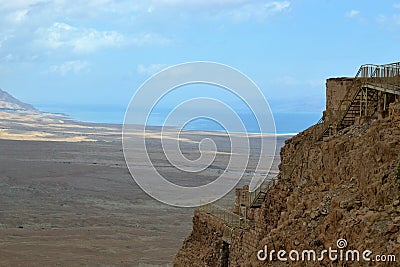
point(366, 70)
point(230, 219)
point(225, 202)
point(262, 189)
point(384, 78)
point(227, 234)
point(379, 71)
point(381, 77)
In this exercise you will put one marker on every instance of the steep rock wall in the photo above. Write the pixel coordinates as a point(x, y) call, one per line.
point(343, 187)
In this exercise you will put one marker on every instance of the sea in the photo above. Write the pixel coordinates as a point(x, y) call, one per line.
point(286, 123)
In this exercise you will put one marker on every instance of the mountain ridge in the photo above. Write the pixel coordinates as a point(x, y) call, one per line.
point(9, 102)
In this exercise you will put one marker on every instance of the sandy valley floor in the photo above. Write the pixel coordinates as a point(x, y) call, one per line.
point(75, 203)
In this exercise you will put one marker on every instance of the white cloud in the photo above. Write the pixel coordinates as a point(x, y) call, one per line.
point(7, 58)
point(150, 69)
point(61, 27)
point(197, 3)
point(56, 10)
point(19, 4)
point(255, 10)
point(389, 21)
point(278, 6)
point(396, 5)
point(149, 39)
point(238, 10)
point(353, 13)
point(87, 40)
point(4, 38)
point(18, 15)
point(81, 40)
point(75, 66)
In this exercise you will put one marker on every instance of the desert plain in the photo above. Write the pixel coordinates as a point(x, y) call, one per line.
point(67, 197)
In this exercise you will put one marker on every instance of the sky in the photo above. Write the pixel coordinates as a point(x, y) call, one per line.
point(62, 55)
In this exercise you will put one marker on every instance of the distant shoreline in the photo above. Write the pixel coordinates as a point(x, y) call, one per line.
point(287, 123)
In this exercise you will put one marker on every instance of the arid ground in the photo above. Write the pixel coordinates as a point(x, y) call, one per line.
point(68, 199)
point(75, 203)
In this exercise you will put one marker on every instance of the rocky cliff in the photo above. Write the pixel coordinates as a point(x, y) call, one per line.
point(345, 187)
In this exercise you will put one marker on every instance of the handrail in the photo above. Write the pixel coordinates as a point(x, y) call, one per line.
point(231, 219)
point(365, 70)
point(227, 234)
point(263, 188)
point(370, 70)
point(386, 77)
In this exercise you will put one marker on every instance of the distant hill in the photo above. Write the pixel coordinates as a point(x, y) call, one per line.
point(8, 102)
point(21, 121)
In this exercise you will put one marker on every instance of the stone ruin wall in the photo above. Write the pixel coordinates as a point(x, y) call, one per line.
point(336, 89)
point(337, 99)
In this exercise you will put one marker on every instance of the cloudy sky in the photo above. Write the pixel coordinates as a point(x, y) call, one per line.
point(98, 52)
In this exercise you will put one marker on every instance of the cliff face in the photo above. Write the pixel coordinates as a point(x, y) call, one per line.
point(344, 187)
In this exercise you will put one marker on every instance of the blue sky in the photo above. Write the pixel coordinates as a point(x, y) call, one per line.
point(98, 52)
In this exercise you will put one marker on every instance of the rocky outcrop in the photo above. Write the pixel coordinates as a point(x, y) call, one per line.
point(9, 102)
point(204, 247)
point(344, 187)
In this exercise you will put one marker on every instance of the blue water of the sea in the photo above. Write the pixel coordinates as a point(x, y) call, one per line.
point(285, 122)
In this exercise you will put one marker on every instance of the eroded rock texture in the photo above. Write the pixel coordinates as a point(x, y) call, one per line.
point(343, 187)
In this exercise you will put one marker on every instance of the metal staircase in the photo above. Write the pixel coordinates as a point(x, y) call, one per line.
point(363, 104)
point(369, 80)
point(257, 197)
